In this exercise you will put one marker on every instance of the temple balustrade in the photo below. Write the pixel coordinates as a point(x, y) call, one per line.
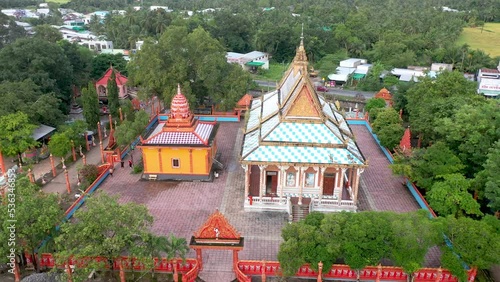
point(266, 203)
point(332, 205)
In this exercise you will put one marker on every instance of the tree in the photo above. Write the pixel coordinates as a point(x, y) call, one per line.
point(102, 62)
point(98, 231)
point(375, 103)
point(46, 110)
point(474, 242)
point(364, 239)
point(36, 214)
point(75, 131)
point(48, 33)
point(129, 130)
point(390, 135)
point(412, 236)
point(18, 96)
point(9, 30)
point(60, 144)
point(450, 197)
point(492, 177)
point(425, 166)
point(41, 61)
point(431, 100)
point(80, 59)
point(113, 96)
point(90, 102)
point(16, 134)
point(384, 118)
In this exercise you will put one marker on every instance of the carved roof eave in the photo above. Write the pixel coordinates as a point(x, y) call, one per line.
point(363, 165)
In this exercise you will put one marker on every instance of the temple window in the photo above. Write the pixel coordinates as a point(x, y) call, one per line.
point(309, 180)
point(176, 163)
point(290, 179)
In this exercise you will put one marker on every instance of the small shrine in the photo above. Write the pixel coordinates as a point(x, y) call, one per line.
point(216, 233)
point(386, 95)
point(182, 147)
point(244, 103)
point(102, 84)
point(298, 148)
point(405, 143)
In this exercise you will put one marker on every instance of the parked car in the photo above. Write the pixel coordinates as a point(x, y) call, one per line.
point(321, 88)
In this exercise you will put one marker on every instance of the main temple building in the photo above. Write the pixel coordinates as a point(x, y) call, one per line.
point(298, 150)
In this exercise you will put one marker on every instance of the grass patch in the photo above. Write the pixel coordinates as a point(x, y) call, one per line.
point(486, 40)
point(275, 72)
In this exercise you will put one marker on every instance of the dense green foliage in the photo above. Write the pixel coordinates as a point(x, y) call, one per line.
point(16, 134)
point(113, 95)
point(90, 103)
point(359, 239)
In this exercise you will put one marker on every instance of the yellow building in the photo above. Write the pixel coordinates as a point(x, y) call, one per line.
point(182, 148)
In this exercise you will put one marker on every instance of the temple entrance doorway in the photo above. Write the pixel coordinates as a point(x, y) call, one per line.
point(328, 184)
point(271, 182)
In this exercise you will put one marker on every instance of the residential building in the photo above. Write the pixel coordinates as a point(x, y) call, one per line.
point(489, 82)
point(249, 61)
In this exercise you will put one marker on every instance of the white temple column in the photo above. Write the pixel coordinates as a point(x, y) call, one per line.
point(359, 171)
point(342, 175)
point(262, 187)
point(247, 169)
point(321, 181)
point(301, 183)
point(282, 180)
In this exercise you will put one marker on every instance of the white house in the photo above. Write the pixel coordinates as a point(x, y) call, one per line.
point(489, 82)
point(357, 68)
point(249, 60)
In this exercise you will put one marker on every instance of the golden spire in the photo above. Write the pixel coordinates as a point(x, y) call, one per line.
point(300, 60)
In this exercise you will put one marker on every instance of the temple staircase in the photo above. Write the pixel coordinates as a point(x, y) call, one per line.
point(299, 211)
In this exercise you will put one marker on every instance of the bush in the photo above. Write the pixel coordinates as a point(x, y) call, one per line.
point(88, 174)
point(138, 168)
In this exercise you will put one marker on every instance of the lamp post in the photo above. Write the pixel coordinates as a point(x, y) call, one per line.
point(84, 159)
point(30, 175)
point(63, 164)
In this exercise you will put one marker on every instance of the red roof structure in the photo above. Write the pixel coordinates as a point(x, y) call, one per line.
point(120, 79)
point(405, 143)
point(386, 95)
point(245, 101)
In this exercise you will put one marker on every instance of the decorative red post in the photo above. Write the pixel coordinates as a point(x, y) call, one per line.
point(263, 276)
point(30, 176)
point(379, 272)
point(439, 274)
point(73, 152)
point(68, 185)
point(320, 271)
point(84, 159)
point(122, 272)
point(99, 131)
point(2, 164)
point(110, 122)
point(68, 271)
point(121, 114)
point(52, 165)
point(176, 275)
point(199, 258)
point(235, 258)
point(17, 275)
point(102, 151)
point(159, 105)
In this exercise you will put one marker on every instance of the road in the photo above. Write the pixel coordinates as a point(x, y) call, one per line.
point(331, 91)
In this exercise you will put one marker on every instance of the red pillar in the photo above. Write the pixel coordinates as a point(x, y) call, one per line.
point(52, 165)
point(73, 150)
point(379, 273)
point(235, 258)
point(17, 275)
point(320, 271)
point(102, 151)
point(68, 271)
point(84, 159)
point(176, 274)
point(110, 122)
point(122, 272)
point(68, 185)
point(199, 258)
point(263, 276)
point(2, 164)
point(99, 131)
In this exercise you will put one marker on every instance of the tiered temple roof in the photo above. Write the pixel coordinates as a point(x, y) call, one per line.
point(293, 124)
point(181, 127)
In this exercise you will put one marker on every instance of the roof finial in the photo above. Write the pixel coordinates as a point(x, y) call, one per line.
point(302, 35)
point(178, 88)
